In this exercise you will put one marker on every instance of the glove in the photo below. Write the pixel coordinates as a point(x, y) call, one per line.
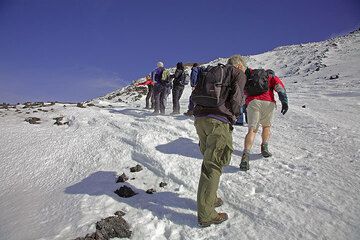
point(284, 108)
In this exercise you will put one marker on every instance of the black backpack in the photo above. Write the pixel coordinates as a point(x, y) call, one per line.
point(211, 89)
point(185, 78)
point(257, 82)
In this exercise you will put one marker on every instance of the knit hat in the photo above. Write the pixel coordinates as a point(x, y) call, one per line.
point(160, 64)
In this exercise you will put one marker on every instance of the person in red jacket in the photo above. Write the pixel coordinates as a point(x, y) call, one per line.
point(150, 94)
point(260, 111)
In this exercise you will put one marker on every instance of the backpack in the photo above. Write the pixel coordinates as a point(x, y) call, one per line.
point(257, 82)
point(185, 78)
point(211, 89)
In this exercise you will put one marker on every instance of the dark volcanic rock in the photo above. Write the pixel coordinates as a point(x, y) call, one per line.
point(303, 106)
point(137, 168)
point(336, 76)
point(122, 178)
point(32, 120)
point(125, 192)
point(110, 227)
point(150, 191)
point(162, 184)
point(80, 105)
point(119, 213)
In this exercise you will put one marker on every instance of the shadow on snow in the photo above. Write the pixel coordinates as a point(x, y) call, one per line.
point(163, 205)
point(181, 146)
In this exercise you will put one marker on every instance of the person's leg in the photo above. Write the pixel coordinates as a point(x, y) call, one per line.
point(163, 101)
point(180, 92)
point(152, 99)
point(267, 112)
point(216, 146)
point(157, 93)
point(174, 97)
point(265, 135)
point(253, 124)
point(148, 95)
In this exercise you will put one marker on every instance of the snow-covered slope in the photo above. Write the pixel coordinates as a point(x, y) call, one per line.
point(57, 181)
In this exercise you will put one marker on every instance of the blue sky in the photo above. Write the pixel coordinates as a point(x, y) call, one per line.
point(76, 50)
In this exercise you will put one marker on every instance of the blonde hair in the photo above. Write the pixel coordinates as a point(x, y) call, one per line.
point(236, 60)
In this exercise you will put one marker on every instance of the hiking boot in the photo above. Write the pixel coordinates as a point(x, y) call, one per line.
point(221, 217)
point(265, 150)
point(174, 113)
point(189, 113)
point(244, 165)
point(219, 202)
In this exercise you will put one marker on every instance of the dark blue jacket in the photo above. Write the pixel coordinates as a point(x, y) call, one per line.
point(194, 76)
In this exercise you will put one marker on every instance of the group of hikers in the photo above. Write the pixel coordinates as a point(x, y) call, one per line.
point(219, 94)
point(161, 83)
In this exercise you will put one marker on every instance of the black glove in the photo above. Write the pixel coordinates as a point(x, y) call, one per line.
point(284, 108)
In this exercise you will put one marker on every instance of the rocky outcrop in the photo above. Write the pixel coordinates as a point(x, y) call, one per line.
point(110, 227)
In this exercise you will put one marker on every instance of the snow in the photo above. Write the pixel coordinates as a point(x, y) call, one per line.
point(57, 181)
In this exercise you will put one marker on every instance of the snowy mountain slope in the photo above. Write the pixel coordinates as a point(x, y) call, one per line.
point(57, 181)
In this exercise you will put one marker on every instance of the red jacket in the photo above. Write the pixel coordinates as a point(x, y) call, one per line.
point(147, 82)
point(274, 84)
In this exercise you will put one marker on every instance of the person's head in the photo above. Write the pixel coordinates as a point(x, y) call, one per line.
point(195, 64)
point(179, 65)
point(238, 62)
point(160, 64)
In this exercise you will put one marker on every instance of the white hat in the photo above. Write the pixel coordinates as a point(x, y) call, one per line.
point(160, 64)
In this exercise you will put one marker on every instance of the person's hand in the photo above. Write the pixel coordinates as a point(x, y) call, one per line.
point(284, 108)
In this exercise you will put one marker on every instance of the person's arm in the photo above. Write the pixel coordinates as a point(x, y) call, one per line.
point(281, 91)
point(237, 92)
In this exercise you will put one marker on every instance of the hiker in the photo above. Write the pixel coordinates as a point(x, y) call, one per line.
point(213, 123)
point(150, 94)
point(179, 83)
point(161, 88)
point(193, 81)
point(260, 109)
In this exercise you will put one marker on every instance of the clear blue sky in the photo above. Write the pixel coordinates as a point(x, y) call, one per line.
point(75, 50)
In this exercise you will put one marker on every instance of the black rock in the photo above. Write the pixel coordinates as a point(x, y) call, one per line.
point(110, 227)
point(150, 191)
point(122, 178)
point(336, 76)
point(162, 184)
point(32, 120)
point(137, 168)
point(119, 213)
point(125, 192)
point(113, 227)
point(303, 106)
point(80, 105)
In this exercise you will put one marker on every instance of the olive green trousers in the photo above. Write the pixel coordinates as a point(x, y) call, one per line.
point(216, 146)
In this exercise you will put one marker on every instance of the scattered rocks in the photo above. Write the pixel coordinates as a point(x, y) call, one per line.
point(162, 184)
point(122, 178)
point(91, 105)
point(137, 168)
point(110, 227)
point(80, 105)
point(336, 76)
point(58, 121)
point(125, 192)
point(32, 120)
point(119, 213)
point(150, 191)
point(33, 105)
